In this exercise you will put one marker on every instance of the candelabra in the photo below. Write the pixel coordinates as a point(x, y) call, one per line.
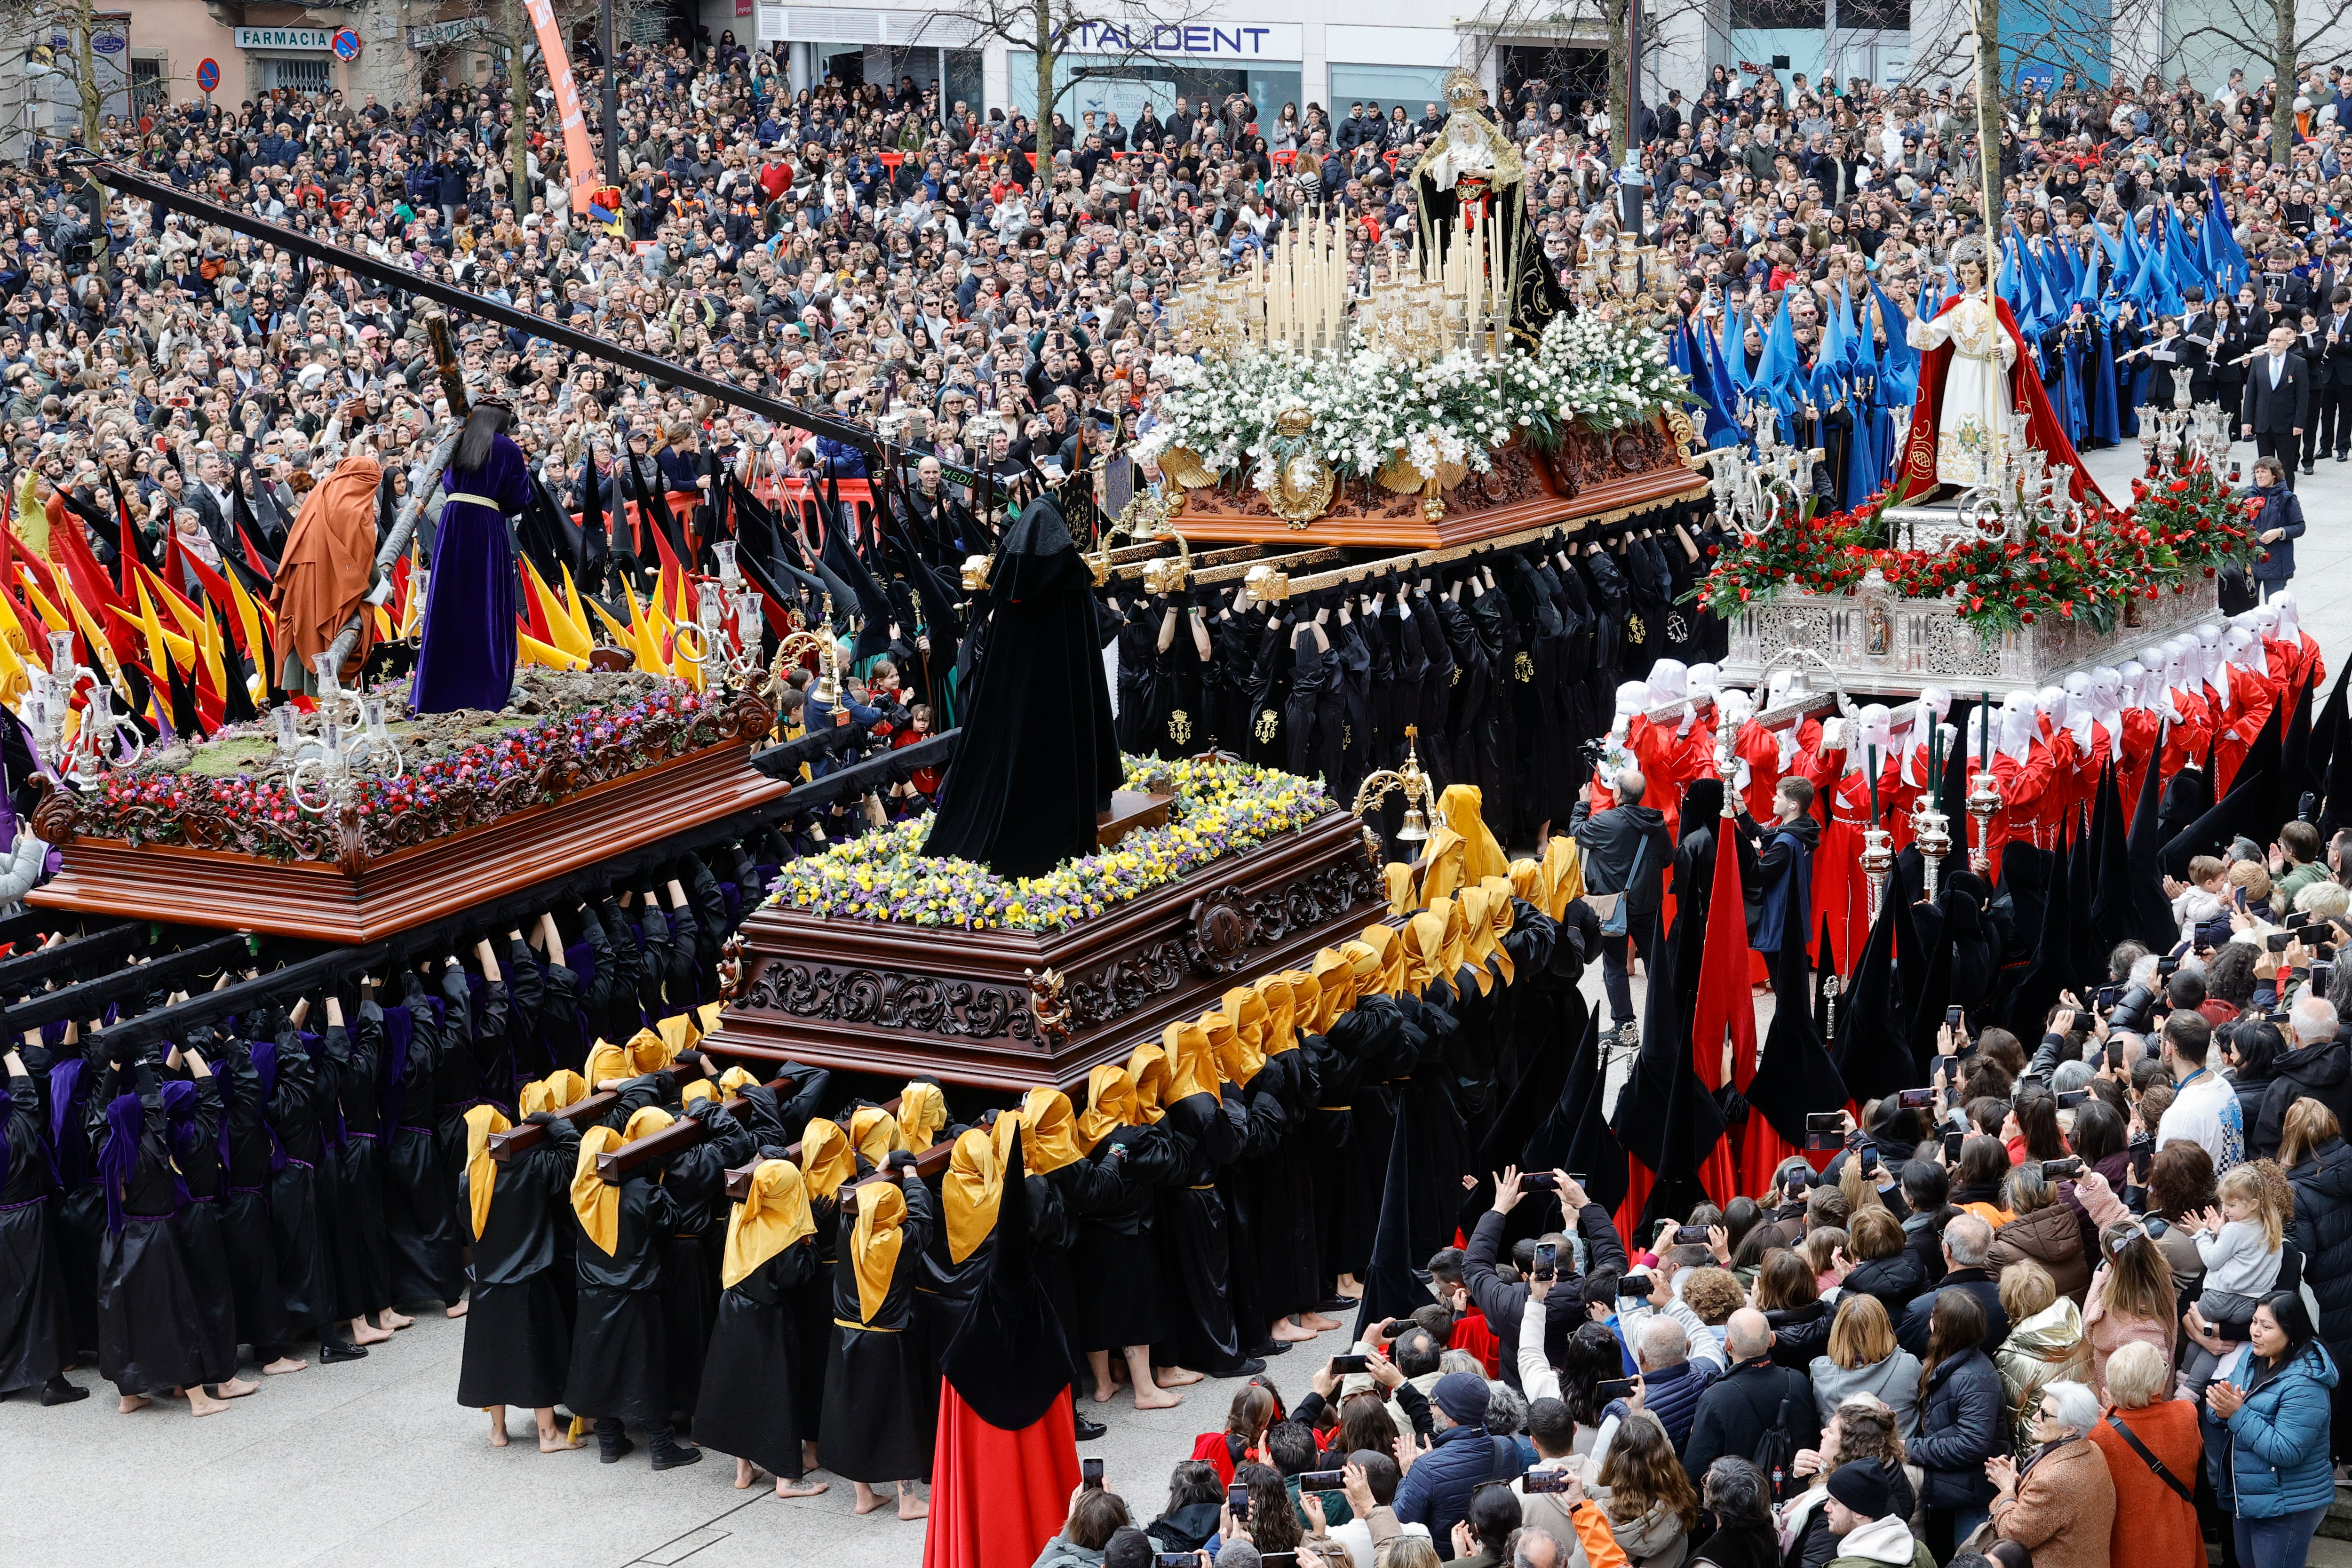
point(1984, 804)
point(2200, 428)
point(1877, 860)
point(104, 739)
point(352, 735)
point(797, 646)
point(1931, 830)
point(2021, 490)
point(732, 657)
point(1407, 779)
point(1757, 492)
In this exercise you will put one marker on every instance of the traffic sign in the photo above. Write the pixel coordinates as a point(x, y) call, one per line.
point(346, 45)
point(208, 75)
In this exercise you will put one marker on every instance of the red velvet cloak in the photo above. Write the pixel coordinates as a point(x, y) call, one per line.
point(1918, 475)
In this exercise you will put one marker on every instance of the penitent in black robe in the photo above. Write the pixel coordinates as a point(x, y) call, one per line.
point(1038, 762)
point(34, 1338)
point(518, 1332)
point(755, 1367)
point(620, 1351)
point(881, 1386)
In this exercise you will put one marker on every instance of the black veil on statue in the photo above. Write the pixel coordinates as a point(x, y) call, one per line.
point(1037, 762)
point(1537, 296)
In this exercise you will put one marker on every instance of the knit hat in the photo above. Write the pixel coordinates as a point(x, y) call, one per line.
point(1862, 1487)
point(1462, 1397)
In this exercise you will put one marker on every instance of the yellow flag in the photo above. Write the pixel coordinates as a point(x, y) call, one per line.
point(533, 651)
point(571, 639)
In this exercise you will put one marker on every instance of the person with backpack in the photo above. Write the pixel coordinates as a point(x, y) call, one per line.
point(1439, 1479)
point(1758, 1410)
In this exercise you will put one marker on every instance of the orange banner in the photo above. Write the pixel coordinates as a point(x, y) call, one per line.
point(579, 157)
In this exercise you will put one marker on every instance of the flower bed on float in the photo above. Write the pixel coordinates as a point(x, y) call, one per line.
point(2178, 531)
point(231, 791)
point(1366, 407)
point(1220, 808)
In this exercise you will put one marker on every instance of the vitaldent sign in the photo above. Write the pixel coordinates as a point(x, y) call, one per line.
point(317, 40)
point(1204, 40)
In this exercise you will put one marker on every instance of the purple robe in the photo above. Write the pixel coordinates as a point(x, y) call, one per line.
point(466, 658)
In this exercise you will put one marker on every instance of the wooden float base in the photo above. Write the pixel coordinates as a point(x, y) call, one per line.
point(319, 900)
point(1008, 1010)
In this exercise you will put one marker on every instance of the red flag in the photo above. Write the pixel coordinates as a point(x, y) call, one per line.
point(1725, 1007)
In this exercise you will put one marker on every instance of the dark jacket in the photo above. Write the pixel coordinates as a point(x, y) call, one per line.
point(1437, 1490)
point(2323, 1073)
point(1893, 1280)
point(1800, 1333)
point(1743, 1405)
point(1609, 841)
point(1981, 1283)
point(1959, 1429)
point(2323, 1229)
point(1923, 1243)
point(2052, 1236)
point(1672, 1395)
point(2283, 511)
point(1504, 1305)
point(2275, 411)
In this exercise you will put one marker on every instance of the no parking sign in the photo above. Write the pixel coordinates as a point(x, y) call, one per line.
point(208, 75)
point(346, 45)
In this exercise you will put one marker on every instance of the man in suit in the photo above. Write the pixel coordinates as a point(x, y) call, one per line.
point(2278, 401)
point(2333, 386)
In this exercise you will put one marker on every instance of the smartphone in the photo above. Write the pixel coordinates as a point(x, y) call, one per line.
point(1090, 1472)
point(1539, 1182)
point(1634, 1286)
point(1690, 1235)
point(2057, 1170)
point(1824, 1129)
point(2238, 896)
point(1952, 1142)
point(1914, 1099)
point(2278, 940)
point(2069, 1098)
point(1546, 1481)
point(1237, 1499)
point(1576, 1176)
point(1322, 1481)
point(1177, 1559)
point(1343, 1364)
point(2108, 995)
point(1546, 1259)
point(1868, 1154)
point(1613, 1388)
point(2323, 976)
point(2167, 967)
point(2300, 916)
point(1952, 1018)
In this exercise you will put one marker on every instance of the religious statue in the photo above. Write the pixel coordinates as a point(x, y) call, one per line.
point(1476, 175)
point(1974, 375)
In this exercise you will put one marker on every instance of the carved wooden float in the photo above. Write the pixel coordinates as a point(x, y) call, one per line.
point(353, 882)
point(1589, 480)
point(1011, 1009)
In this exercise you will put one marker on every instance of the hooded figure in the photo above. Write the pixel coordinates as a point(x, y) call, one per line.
point(1038, 762)
point(466, 655)
point(328, 571)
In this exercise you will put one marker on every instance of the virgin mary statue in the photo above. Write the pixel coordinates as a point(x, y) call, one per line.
point(1970, 389)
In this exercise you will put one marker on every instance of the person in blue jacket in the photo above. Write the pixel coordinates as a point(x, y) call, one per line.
point(2266, 1423)
point(1438, 1485)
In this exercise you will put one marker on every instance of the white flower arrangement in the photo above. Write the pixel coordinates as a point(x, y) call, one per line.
point(1601, 376)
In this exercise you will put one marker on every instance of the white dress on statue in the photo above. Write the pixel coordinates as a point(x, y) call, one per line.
point(1971, 427)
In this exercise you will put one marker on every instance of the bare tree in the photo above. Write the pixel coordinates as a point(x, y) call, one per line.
point(1604, 23)
point(52, 44)
point(1048, 30)
point(2281, 33)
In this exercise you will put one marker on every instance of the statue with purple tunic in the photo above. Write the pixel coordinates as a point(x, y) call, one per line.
point(467, 655)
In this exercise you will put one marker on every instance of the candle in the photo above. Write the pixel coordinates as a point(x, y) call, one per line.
point(1935, 761)
point(1984, 732)
point(1872, 753)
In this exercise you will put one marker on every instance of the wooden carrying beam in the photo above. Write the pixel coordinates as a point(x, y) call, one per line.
point(685, 1132)
point(529, 1135)
point(1405, 566)
point(929, 1163)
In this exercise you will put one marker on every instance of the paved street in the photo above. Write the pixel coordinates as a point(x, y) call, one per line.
point(374, 1463)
